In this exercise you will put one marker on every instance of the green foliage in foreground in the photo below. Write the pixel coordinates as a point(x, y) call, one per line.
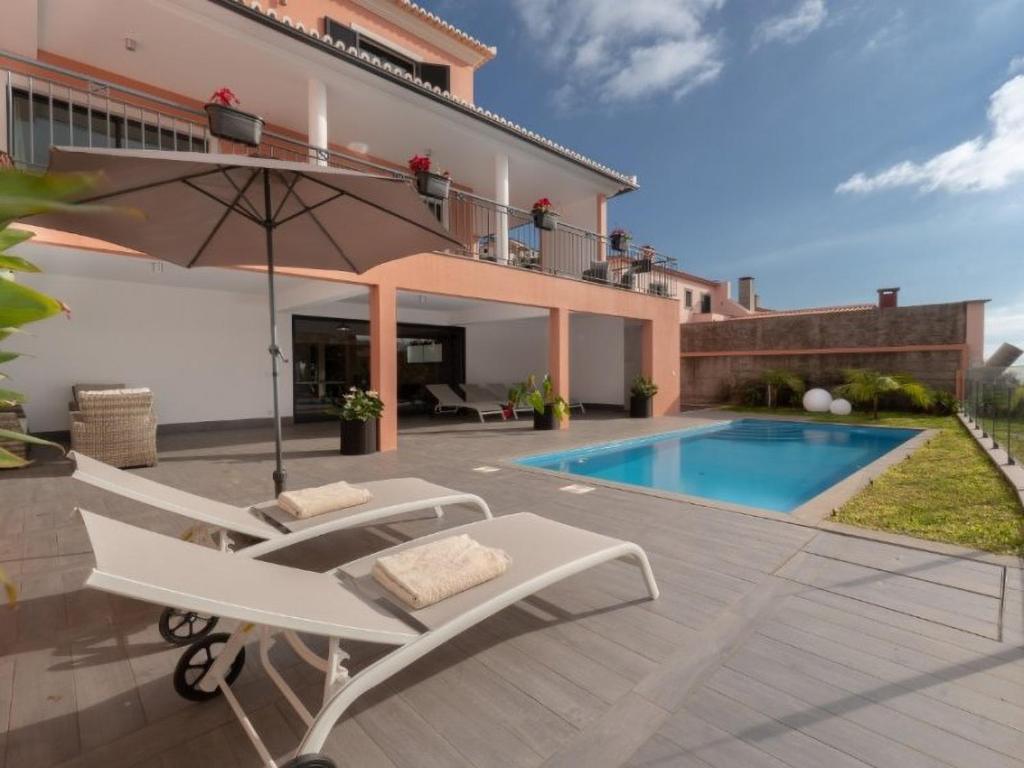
point(947, 491)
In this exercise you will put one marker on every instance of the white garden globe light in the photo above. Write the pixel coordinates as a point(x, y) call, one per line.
point(840, 407)
point(817, 400)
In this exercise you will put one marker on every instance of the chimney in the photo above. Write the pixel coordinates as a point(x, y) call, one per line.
point(746, 299)
point(888, 298)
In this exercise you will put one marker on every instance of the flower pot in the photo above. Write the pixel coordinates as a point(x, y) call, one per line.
point(546, 220)
point(432, 185)
point(544, 420)
point(230, 123)
point(641, 265)
point(640, 407)
point(619, 242)
point(358, 437)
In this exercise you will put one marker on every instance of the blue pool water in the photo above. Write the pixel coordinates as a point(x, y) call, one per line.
point(769, 464)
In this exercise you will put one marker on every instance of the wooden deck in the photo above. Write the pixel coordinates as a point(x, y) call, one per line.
point(773, 644)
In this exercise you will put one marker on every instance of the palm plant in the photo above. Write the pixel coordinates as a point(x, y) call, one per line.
point(777, 379)
point(866, 386)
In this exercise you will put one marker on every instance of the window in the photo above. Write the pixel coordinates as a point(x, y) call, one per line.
point(438, 75)
point(39, 122)
point(688, 299)
point(705, 303)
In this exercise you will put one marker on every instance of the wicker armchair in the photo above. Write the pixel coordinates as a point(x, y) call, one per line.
point(116, 426)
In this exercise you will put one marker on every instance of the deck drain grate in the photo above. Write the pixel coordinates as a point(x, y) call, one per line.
point(576, 488)
point(486, 469)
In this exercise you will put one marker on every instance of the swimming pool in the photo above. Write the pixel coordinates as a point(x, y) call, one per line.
point(769, 464)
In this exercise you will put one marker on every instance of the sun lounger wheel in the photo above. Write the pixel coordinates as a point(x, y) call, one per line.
point(184, 627)
point(310, 761)
point(196, 662)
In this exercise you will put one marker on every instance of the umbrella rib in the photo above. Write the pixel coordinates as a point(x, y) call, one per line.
point(323, 230)
point(308, 208)
point(382, 209)
point(153, 185)
point(287, 194)
point(252, 208)
point(224, 216)
point(228, 206)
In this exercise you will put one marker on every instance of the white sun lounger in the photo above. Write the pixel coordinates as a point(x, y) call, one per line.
point(276, 528)
point(448, 401)
point(344, 604)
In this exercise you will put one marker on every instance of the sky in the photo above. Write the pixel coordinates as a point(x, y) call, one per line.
point(826, 147)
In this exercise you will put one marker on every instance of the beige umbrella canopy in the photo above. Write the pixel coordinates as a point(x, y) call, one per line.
point(226, 210)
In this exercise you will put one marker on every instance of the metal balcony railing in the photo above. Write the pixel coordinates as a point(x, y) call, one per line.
point(64, 108)
point(994, 402)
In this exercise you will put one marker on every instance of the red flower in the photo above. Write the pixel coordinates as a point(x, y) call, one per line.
point(542, 206)
point(225, 97)
point(419, 164)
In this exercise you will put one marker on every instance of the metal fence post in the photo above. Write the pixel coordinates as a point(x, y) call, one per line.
point(1009, 425)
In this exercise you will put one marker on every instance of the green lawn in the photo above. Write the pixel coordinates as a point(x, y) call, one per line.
point(947, 490)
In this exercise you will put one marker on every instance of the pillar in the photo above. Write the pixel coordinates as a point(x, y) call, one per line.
point(602, 227)
point(501, 210)
point(384, 361)
point(647, 361)
point(558, 353)
point(316, 121)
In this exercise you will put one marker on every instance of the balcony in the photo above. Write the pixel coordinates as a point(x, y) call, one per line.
point(61, 108)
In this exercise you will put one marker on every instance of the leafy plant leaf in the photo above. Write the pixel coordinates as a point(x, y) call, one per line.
point(6, 357)
point(24, 194)
point(16, 263)
point(11, 237)
point(9, 461)
point(9, 397)
point(21, 437)
point(20, 304)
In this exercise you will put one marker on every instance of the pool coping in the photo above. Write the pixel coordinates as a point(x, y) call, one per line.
point(810, 513)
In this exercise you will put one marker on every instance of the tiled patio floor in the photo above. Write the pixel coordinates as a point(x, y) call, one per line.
point(772, 644)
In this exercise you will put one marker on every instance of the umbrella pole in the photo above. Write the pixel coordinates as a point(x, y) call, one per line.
point(280, 476)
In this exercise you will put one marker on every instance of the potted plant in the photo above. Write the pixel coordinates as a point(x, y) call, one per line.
point(428, 183)
point(620, 239)
point(544, 216)
point(640, 397)
point(644, 260)
point(548, 407)
point(227, 122)
point(358, 412)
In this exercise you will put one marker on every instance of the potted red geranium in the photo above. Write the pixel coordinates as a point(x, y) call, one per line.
point(544, 216)
point(620, 239)
point(428, 183)
point(226, 122)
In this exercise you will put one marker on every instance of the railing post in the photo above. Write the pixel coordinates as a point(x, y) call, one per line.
point(317, 121)
point(5, 126)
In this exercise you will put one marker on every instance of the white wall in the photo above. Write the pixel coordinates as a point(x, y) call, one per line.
point(507, 351)
point(596, 357)
point(203, 353)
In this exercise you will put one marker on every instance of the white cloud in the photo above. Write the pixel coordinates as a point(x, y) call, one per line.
point(1004, 323)
point(624, 50)
point(979, 164)
point(1016, 66)
point(805, 17)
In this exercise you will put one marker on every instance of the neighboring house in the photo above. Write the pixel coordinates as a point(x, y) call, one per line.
point(357, 84)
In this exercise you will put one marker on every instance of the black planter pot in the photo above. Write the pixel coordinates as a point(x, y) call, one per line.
point(230, 123)
point(641, 265)
point(433, 185)
point(358, 437)
point(546, 220)
point(544, 420)
point(640, 407)
point(619, 243)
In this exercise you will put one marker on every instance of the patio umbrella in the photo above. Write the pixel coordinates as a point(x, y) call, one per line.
point(226, 210)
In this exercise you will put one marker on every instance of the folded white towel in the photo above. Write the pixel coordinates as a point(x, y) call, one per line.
point(310, 502)
point(423, 575)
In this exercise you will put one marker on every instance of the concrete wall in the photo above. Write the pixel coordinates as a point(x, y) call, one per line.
point(507, 351)
point(596, 367)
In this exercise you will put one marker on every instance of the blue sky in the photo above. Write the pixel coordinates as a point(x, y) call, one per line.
point(827, 147)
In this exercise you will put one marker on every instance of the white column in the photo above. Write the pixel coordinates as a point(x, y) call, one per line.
point(501, 213)
point(317, 121)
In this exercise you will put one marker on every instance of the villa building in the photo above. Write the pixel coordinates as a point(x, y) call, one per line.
point(361, 85)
